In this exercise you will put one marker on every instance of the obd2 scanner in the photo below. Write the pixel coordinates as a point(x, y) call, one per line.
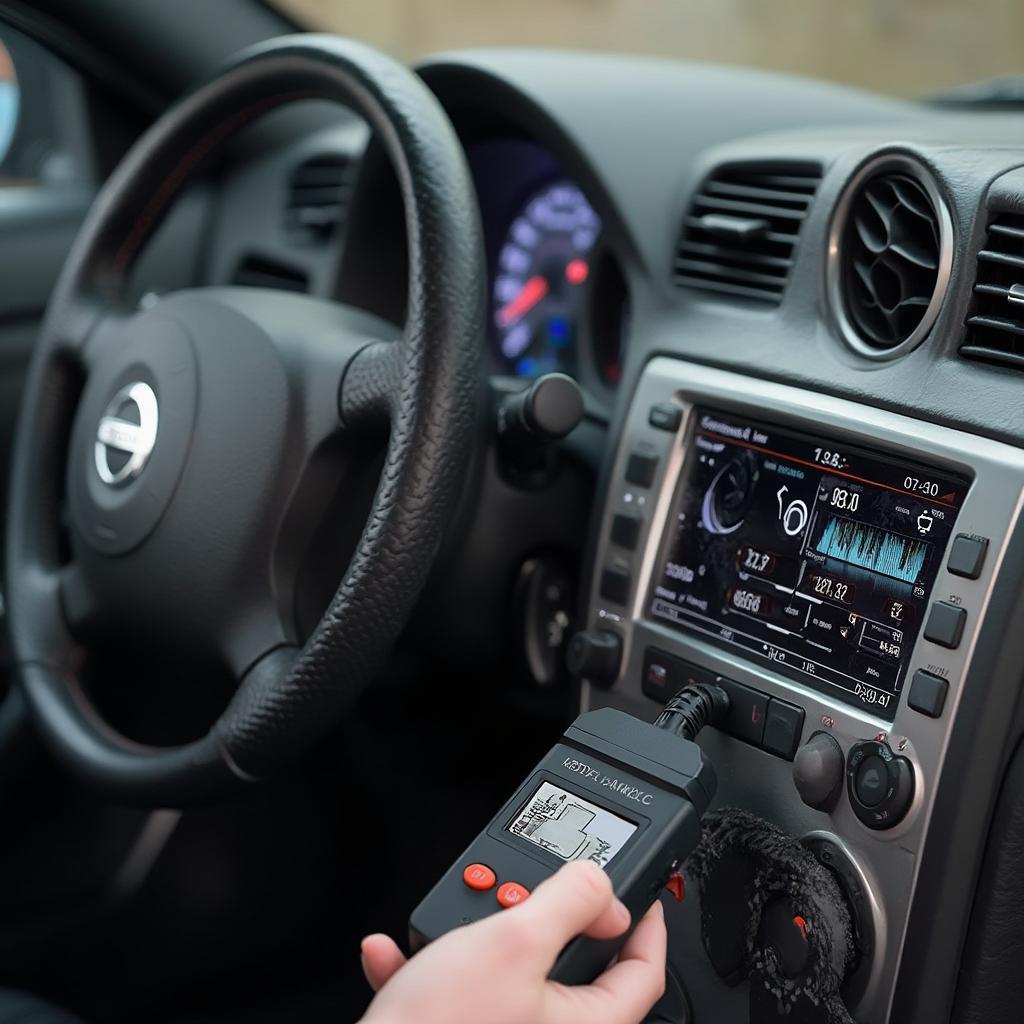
point(623, 793)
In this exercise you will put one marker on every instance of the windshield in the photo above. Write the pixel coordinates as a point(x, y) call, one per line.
point(901, 47)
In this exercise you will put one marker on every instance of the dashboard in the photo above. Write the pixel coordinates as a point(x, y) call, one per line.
point(796, 314)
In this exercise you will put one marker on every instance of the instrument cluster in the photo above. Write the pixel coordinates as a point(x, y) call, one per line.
point(558, 298)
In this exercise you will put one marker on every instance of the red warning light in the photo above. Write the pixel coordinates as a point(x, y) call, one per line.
point(576, 271)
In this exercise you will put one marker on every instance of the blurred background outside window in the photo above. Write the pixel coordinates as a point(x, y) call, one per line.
point(901, 47)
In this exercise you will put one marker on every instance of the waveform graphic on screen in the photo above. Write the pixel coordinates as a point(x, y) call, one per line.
point(878, 550)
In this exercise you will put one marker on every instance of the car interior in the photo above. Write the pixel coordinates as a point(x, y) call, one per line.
point(366, 420)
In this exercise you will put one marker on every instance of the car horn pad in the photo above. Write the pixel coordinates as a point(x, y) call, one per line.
point(772, 913)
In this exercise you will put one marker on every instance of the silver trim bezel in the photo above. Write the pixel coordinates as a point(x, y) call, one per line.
point(749, 777)
point(833, 263)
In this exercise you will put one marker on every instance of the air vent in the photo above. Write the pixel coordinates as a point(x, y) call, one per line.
point(996, 324)
point(740, 235)
point(319, 193)
point(258, 272)
point(894, 250)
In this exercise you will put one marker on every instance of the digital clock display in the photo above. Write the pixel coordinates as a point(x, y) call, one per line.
point(815, 556)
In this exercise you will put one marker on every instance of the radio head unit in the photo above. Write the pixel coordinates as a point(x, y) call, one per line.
point(814, 555)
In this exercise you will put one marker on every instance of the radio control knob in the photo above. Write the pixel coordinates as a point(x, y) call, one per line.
point(818, 771)
point(595, 655)
point(880, 784)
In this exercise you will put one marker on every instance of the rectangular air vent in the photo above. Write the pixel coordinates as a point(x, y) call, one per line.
point(259, 272)
point(739, 237)
point(995, 326)
point(319, 193)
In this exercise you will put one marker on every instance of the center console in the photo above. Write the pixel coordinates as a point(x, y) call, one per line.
point(829, 565)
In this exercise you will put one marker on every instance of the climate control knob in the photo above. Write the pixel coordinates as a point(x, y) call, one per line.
point(880, 784)
point(818, 772)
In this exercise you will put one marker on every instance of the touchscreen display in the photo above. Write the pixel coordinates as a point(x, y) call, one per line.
point(570, 827)
point(806, 552)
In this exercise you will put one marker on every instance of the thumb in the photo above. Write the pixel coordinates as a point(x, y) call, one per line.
point(575, 900)
point(381, 958)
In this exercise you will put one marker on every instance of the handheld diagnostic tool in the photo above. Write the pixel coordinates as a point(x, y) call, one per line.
point(623, 793)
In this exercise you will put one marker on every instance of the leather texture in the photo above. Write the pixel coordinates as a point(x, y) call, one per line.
point(22, 1008)
point(426, 385)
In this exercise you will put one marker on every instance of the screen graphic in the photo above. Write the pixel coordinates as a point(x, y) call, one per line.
point(570, 827)
point(814, 555)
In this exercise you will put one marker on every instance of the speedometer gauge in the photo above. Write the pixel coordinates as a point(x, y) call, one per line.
point(543, 266)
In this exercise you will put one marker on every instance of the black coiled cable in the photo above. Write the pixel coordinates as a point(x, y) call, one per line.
point(692, 708)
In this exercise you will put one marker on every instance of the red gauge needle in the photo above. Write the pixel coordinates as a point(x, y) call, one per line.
point(531, 293)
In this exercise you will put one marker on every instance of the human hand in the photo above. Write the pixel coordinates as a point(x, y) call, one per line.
point(495, 970)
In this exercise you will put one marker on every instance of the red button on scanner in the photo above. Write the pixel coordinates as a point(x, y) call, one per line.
point(479, 877)
point(512, 893)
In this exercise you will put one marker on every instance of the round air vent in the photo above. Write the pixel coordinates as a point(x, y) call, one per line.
point(890, 254)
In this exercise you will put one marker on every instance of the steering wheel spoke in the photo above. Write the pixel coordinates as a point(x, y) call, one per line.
point(371, 390)
point(77, 600)
point(106, 330)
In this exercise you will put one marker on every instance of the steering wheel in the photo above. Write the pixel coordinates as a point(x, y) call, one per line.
point(163, 455)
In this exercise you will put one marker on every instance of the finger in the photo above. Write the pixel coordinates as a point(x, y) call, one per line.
point(576, 899)
point(625, 992)
point(637, 981)
point(380, 957)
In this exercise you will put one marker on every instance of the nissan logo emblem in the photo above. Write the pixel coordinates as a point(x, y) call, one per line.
point(126, 434)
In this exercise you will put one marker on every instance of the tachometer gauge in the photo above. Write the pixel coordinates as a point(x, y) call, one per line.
point(542, 268)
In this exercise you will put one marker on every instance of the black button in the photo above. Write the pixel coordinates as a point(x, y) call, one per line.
point(640, 469)
point(872, 781)
point(747, 711)
point(945, 624)
point(881, 786)
point(595, 655)
point(662, 675)
point(967, 556)
point(693, 674)
point(615, 584)
point(782, 727)
point(927, 693)
point(626, 531)
point(665, 416)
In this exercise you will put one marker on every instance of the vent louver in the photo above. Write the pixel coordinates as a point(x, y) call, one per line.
point(740, 234)
point(995, 326)
point(319, 193)
point(259, 272)
point(891, 251)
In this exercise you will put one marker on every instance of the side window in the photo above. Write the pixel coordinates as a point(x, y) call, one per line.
point(44, 135)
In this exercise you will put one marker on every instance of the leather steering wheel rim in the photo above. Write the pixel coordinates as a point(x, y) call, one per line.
point(426, 385)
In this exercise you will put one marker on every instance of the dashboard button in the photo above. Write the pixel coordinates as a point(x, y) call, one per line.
point(967, 556)
point(879, 784)
point(872, 782)
point(615, 584)
point(626, 531)
point(945, 624)
point(595, 655)
point(928, 693)
point(665, 416)
point(641, 468)
point(662, 675)
point(693, 674)
point(818, 771)
point(747, 711)
point(782, 727)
